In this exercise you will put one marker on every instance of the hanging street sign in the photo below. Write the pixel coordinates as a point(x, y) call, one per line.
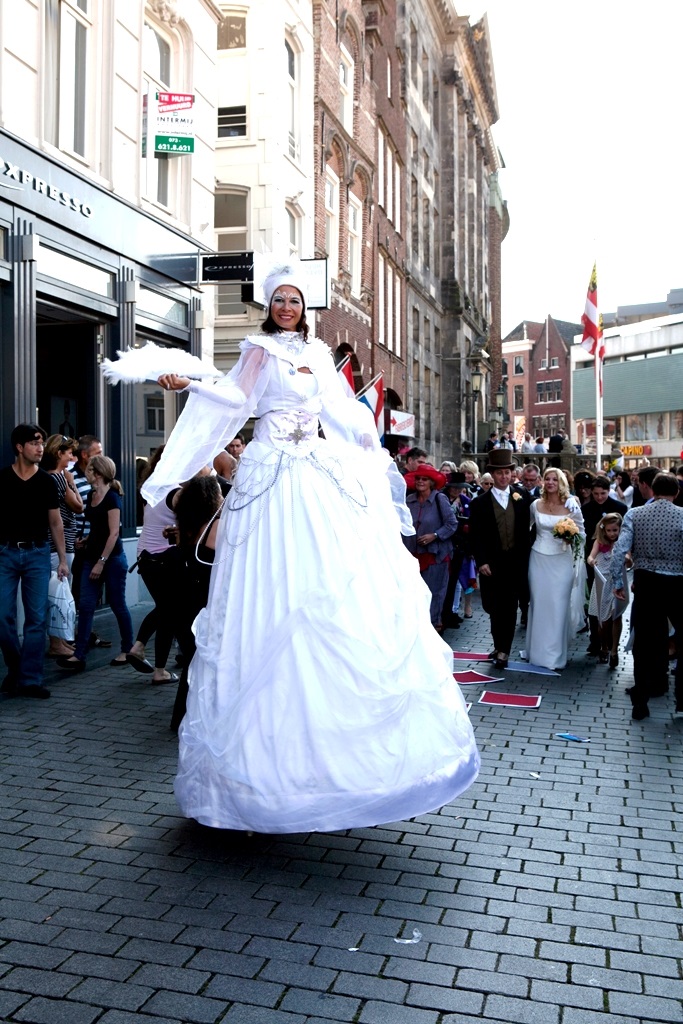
point(174, 123)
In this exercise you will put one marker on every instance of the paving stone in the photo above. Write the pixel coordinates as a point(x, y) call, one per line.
point(321, 1004)
point(38, 983)
point(646, 1007)
point(101, 992)
point(381, 1013)
point(523, 1011)
point(319, 979)
point(54, 1011)
point(260, 1015)
point(189, 1009)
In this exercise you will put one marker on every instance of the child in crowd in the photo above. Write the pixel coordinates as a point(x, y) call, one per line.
point(602, 602)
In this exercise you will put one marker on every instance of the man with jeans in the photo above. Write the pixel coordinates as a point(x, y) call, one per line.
point(29, 509)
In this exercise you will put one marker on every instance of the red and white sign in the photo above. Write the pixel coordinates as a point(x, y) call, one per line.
point(402, 423)
point(175, 101)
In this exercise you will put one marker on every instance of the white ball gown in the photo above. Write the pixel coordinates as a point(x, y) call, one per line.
point(556, 589)
point(320, 697)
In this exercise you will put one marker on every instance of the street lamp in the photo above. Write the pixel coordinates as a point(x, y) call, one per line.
point(500, 398)
point(476, 378)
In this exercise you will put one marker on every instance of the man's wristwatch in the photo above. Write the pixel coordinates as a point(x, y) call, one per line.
point(102, 558)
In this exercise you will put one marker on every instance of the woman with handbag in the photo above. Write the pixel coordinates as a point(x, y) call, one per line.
point(435, 523)
point(57, 454)
point(105, 562)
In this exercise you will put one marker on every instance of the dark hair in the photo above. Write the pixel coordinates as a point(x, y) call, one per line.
point(237, 437)
point(415, 453)
point(270, 327)
point(583, 478)
point(151, 463)
point(647, 475)
point(198, 500)
point(24, 432)
point(665, 485)
point(625, 476)
point(602, 482)
point(87, 441)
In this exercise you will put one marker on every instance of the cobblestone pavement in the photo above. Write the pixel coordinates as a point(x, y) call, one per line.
point(550, 893)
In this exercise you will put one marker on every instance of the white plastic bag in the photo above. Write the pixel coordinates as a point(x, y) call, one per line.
point(61, 609)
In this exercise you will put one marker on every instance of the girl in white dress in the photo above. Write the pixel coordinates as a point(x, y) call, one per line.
point(320, 698)
point(602, 602)
point(556, 575)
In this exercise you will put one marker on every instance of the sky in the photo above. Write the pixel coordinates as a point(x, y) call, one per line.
point(590, 101)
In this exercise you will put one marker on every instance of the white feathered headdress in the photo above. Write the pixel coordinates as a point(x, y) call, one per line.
point(149, 362)
point(287, 271)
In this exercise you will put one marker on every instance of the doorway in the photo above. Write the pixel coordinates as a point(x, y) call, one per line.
point(66, 370)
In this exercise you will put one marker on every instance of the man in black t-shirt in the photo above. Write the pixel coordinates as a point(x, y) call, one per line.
point(28, 511)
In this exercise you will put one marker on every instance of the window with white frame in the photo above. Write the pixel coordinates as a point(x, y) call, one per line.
point(293, 111)
point(355, 209)
point(390, 307)
point(397, 195)
point(232, 235)
point(159, 171)
point(381, 322)
point(380, 167)
point(232, 31)
point(397, 315)
point(154, 413)
point(346, 72)
point(332, 221)
point(293, 225)
point(69, 100)
point(389, 186)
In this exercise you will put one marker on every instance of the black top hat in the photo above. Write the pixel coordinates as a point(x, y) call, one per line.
point(456, 480)
point(499, 458)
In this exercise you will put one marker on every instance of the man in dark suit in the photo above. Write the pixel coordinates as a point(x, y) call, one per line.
point(499, 532)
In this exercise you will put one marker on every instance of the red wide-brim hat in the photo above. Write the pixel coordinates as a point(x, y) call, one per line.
point(430, 472)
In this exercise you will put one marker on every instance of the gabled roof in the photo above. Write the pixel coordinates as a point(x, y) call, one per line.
point(535, 331)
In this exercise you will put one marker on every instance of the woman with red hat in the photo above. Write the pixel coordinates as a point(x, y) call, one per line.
point(435, 523)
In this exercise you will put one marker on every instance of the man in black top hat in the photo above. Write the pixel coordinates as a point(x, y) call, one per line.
point(499, 531)
point(29, 509)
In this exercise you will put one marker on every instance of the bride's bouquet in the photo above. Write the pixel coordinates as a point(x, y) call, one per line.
point(567, 530)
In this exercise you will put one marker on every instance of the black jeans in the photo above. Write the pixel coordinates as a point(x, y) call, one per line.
point(659, 598)
point(162, 574)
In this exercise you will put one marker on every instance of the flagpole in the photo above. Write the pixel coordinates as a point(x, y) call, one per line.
point(599, 427)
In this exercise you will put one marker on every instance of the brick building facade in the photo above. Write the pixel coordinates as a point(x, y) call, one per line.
point(537, 376)
point(344, 144)
point(451, 103)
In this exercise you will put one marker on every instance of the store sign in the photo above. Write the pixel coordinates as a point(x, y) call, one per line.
point(25, 179)
point(174, 123)
point(228, 266)
point(250, 268)
point(636, 449)
point(402, 423)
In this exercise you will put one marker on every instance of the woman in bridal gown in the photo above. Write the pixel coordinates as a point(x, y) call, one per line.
point(556, 577)
point(320, 698)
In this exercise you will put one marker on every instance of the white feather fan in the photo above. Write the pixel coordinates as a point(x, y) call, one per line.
point(136, 365)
